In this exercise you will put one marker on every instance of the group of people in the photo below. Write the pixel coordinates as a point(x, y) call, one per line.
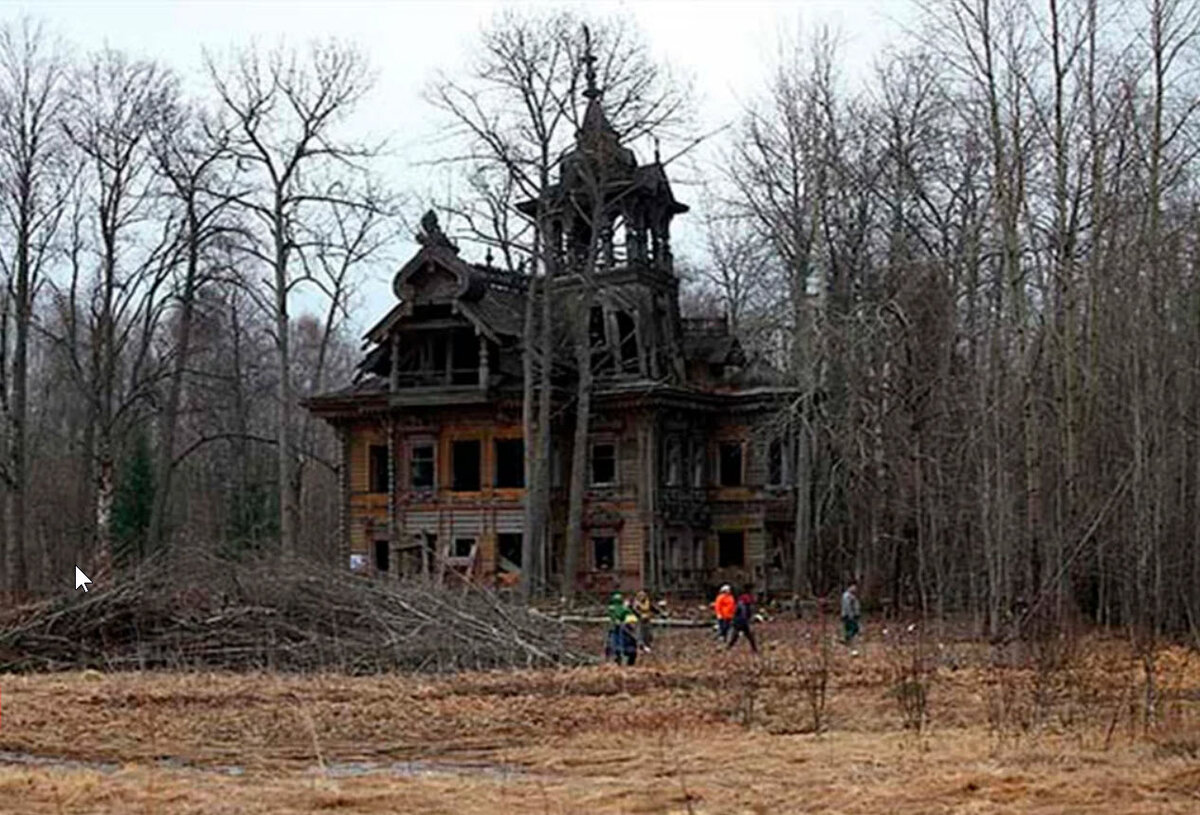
point(630, 618)
point(628, 627)
point(734, 617)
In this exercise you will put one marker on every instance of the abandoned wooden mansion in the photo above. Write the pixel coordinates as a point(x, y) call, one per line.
point(687, 485)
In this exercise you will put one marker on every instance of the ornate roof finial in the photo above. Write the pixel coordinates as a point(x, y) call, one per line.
point(488, 257)
point(431, 233)
point(657, 157)
point(589, 61)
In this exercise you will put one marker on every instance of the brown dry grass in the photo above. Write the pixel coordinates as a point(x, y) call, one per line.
point(693, 730)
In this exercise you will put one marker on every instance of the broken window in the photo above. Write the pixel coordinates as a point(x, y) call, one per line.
point(382, 557)
point(420, 466)
point(508, 551)
point(604, 553)
point(465, 465)
point(731, 549)
point(775, 462)
point(604, 464)
point(731, 464)
point(510, 462)
point(627, 339)
point(378, 467)
point(463, 547)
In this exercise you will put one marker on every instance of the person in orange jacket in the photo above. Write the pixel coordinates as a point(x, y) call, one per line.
point(724, 607)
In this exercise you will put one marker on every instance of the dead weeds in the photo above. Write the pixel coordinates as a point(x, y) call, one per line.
point(704, 731)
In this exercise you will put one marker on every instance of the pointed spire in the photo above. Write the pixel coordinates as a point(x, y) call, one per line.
point(657, 156)
point(589, 61)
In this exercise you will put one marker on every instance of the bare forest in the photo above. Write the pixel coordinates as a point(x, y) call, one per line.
point(979, 263)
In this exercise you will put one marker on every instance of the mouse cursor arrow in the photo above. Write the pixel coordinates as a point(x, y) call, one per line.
point(81, 579)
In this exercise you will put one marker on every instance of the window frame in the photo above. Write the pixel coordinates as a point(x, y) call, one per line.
point(413, 446)
point(471, 542)
point(496, 443)
point(616, 458)
point(373, 475)
point(604, 535)
point(741, 452)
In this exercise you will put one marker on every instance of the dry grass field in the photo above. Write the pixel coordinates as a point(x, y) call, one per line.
point(911, 724)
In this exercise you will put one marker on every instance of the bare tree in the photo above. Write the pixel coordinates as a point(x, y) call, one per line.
point(114, 104)
point(36, 173)
point(286, 109)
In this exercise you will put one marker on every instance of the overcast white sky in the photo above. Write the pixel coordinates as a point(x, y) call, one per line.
point(725, 47)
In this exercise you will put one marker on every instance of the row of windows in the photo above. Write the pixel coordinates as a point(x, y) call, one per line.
point(731, 550)
point(465, 465)
point(509, 465)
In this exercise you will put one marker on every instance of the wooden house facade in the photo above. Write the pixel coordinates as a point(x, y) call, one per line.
point(687, 484)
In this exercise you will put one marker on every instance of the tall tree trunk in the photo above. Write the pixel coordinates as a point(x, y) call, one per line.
point(579, 449)
point(164, 466)
point(288, 486)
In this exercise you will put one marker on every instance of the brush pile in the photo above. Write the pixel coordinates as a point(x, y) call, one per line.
point(208, 613)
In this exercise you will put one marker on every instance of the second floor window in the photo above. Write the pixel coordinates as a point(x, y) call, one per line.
point(378, 468)
point(421, 467)
point(775, 463)
point(510, 462)
point(604, 464)
point(465, 464)
point(731, 464)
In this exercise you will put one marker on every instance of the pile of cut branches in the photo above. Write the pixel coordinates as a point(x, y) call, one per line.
point(205, 613)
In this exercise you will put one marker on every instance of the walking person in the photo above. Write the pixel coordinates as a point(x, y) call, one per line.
point(724, 607)
point(743, 615)
point(615, 613)
point(627, 640)
point(643, 607)
point(851, 613)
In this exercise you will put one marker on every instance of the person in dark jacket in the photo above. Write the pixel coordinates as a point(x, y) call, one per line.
point(627, 640)
point(743, 616)
point(615, 612)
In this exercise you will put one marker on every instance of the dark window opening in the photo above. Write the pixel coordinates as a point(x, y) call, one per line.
point(465, 367)
point(775, 462)
point(627, 334)
point(602, 359)
point(698, 453)
point(508, 551)
point(463, 547)
point(510, 462)
point(465, 463)
point(731, 549)
point(604, 553)
point(420, 467)
point(432, 311)
point(438, 354)
point(378, 468)
point(382, 557)
point(604, 464)
point(731, 464)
